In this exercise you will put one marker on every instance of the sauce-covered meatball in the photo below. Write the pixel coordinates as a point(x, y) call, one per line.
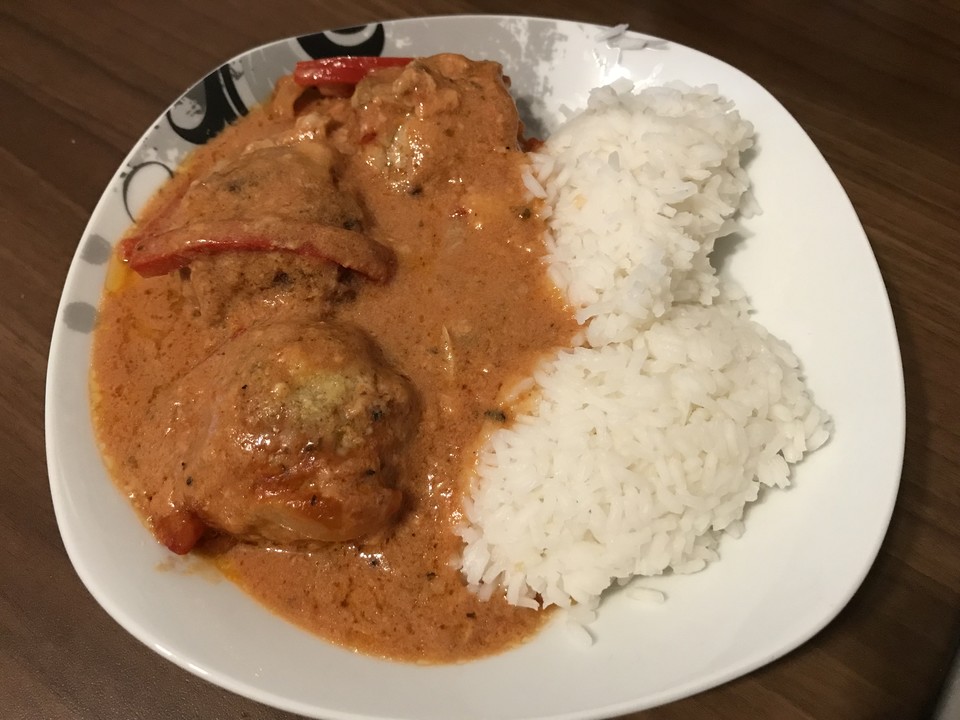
point(288, 434)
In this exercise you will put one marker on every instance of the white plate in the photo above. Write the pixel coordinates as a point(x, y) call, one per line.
point(807, 266)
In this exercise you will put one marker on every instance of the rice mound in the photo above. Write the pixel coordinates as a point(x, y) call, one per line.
point(646, 440)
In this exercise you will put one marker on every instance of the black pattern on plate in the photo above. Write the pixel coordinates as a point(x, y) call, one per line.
point(321, 45)
point(128, 178)
point(219, 102)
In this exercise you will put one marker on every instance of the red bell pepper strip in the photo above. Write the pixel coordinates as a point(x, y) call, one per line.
point(159, 253)
point(180, 531)
point(346, 70)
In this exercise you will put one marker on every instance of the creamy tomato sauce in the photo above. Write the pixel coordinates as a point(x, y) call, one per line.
point(429, 159)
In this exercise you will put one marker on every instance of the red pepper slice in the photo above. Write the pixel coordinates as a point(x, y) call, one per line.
point(345, 70)
point(159, 253)
point(180, 531)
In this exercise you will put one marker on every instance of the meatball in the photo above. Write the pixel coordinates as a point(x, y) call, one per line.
point(287, 435)
point(274, 208)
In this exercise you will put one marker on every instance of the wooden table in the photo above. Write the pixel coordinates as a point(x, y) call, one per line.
point(876, 83)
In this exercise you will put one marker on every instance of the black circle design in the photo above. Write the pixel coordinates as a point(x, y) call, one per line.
point(129, 177)
point(319, 45)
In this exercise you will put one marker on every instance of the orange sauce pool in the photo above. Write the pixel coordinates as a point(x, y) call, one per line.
point(467, 313)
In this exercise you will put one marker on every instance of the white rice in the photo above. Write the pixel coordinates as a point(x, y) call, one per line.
point(650, 437)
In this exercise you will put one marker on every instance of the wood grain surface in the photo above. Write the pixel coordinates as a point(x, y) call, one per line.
point(876, 83)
